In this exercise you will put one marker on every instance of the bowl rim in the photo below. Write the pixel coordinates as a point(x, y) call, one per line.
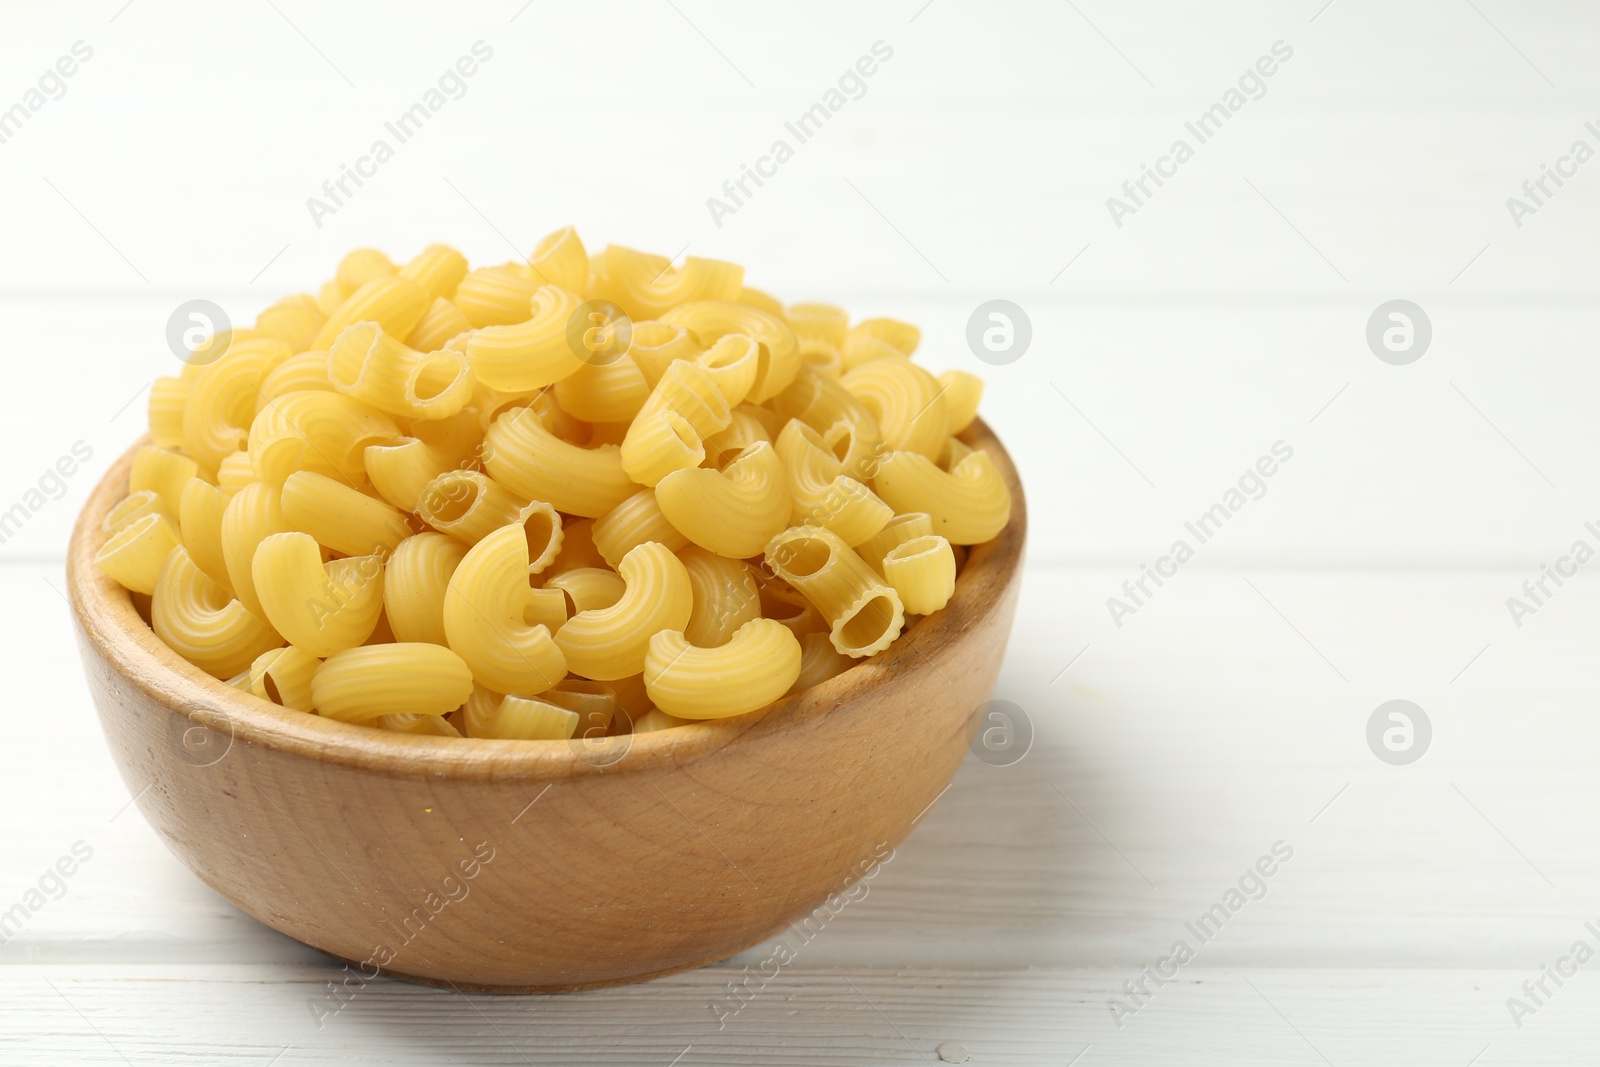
point(110, 625)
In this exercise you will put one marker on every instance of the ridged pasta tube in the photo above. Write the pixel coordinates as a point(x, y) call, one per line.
point(709, 320)
point(467, 505)
point(630, 524)
point(396, 304)
point(969, 503)
point(923, 572)
point(608, 643)
point(725, 596)
point(253, 514)
point(221, 404)
point(165, 411)
point(657, 345)
point(200, 622)
point(907, 402)
point(646, 286)
point(822, 494)
point(496, 296)
point(897, 531)
point(443, 323)
point(373, 367)
point(134, 555)
point(732, 512)
point(346, 520)
point(756, 666)
point(360, 684)
point(283, 676)
point(487, 609)
point(316, 431)
point(163, 472)
point(863, 612)
point(294, 320)
point(306, 370)
point(827, 322)
point(559, 259)
point(414, 582)
point(321, 608)
point(517, 718)
point(537, 465)
point(437, 270)
point(531, 354)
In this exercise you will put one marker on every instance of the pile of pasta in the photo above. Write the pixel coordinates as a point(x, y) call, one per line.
point(567, 497)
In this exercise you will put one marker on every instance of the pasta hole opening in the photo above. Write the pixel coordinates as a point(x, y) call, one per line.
point(804, 556)
point(271, 686)
point(452, 499)
point(868, 624)
point(539, 528)
point(437, 374)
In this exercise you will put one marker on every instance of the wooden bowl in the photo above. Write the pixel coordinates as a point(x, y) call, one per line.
point(536, 867)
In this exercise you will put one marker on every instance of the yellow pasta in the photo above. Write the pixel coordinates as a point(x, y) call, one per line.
point(414, 582)
point(198, 620)
point(321, 607)
point(344, 519)
point(732, 512)
point(369, 365)
point(756, 666)
point(906, 401)
point(360, 684)
point(864, 614)
point(396, 304)
point(725, 596)
point(646, 286)
point(535, 464)
point(710, 320)
point(923, 572)
point(294, 320)
point(442, 323)
point(559, 259)
point(607, 643)
point(360, 266)
point(630, 524)
point(897, 531)
point(165, 411)
point(486, 617)
point(496, 296)
point(587, 588)
point(969, 503)
point(437, 270)
point(283, 676)
point(136, 505)
point(533, 353)
point(253, 514)
point(222, 400)
point(134, 554)
point(562, 498)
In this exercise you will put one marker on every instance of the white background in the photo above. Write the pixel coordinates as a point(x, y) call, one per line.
point(1227, 314)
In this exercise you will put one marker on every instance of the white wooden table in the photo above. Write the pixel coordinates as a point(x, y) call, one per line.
point(1227, 714)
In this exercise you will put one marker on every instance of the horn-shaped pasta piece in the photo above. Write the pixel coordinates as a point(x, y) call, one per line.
point(733, 362)
point(360, 684)
point(646, 286)
point(253, 514)
point(492, 616)
point(468, 505)
point(923, 572)
point(163, 472)
point(530, 354)
point(496, 296)
point(218, 414)
point(316, 431)
point(732, 512)
point(414, 582)
point(822, 494)
point(611, 391)
point(307, 370)
point(443, 323)
point(756, 666)
point(396, 304)
point(401, 469)
point(283, 676)
point(826, 322)
point(779, 356)
point(560, 259)
point(744, 430)
point(725, 596)
point(657, 345)
point(322, 608)
point(517, 718)
point(969, 503)
point(437, 270)
point(962, 392)
point(346, 520)
point(630, 524)
point(134, 555)
point(294, 320)
point(165, 411)
point(901, 336)
point(610, 643)
point(864, 613)
point(135, 506)
point(200, 622)
point(897, 531)
point(360, 266)
point(907, 402)
point(535, 464)
point(373, 367)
